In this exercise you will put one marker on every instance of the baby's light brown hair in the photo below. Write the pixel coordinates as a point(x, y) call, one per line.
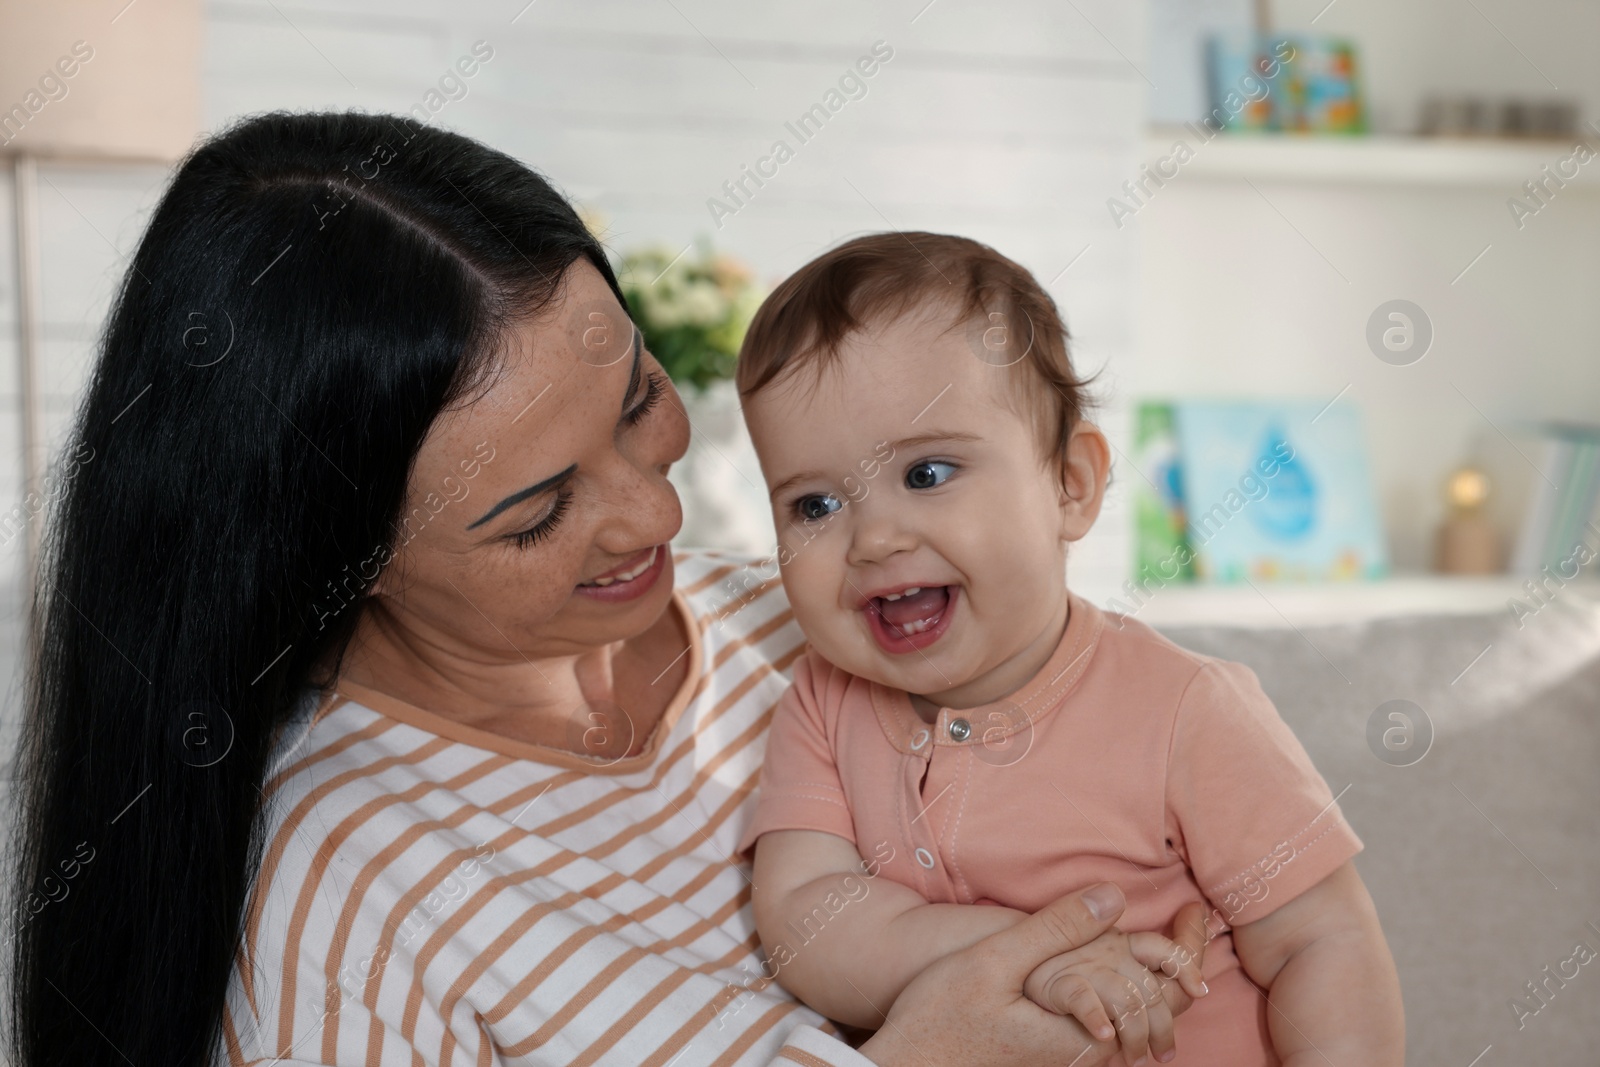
point(1011, 322)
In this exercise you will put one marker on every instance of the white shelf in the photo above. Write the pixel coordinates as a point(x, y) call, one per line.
point(1370, 160)
point(1271, 605)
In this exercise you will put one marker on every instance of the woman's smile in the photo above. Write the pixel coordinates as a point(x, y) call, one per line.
point(630, 580)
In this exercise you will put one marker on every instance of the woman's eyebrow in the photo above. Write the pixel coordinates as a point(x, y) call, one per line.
point(522, 494)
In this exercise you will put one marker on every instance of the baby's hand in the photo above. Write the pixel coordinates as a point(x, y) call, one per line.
point(1123, 977)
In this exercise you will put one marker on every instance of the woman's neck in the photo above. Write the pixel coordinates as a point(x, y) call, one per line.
point(603, 702)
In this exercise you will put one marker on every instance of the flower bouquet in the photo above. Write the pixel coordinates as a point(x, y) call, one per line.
point(693, 309)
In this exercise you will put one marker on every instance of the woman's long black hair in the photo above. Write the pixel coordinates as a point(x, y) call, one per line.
point(312, 291)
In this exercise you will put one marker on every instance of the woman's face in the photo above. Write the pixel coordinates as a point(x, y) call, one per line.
point(539, 511)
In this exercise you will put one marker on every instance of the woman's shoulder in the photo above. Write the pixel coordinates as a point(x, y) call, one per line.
point(734, 597)
point(714, 579)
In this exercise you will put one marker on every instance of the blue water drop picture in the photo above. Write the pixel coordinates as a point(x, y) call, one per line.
point(1289, 510)
point(1277, 490)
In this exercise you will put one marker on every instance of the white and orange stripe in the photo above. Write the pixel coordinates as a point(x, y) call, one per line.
point(431, 894)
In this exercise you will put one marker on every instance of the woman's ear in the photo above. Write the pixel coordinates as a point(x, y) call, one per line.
point(383, 584)
point(386, 582)
point(1083, 471)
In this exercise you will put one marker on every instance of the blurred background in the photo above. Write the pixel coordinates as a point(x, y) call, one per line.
point(1365, 230)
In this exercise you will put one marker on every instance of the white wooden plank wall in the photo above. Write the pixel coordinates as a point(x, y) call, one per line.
point(1006, 122)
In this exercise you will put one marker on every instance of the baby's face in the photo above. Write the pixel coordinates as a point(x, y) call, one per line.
point(921, 539)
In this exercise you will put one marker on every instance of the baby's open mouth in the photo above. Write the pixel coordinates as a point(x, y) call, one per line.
point(912, 610)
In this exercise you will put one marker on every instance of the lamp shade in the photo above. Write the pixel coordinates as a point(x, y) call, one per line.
point(100, 77)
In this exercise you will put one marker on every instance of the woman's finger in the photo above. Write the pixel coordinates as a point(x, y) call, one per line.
point(1060, 926)
point(970, 1004)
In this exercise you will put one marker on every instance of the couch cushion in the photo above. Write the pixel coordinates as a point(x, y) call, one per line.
point(1483, 856)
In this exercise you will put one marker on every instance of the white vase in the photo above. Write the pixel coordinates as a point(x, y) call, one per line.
point(719, 479)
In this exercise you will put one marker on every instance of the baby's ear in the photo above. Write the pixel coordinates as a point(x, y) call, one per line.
point(1082, 471)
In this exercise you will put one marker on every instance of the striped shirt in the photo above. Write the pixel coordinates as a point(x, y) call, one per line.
point(433, 894)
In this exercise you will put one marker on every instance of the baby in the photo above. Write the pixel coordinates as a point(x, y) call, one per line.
point(963, 729)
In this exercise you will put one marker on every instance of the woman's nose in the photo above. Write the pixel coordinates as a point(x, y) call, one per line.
point(674, 444)
point(644, 505)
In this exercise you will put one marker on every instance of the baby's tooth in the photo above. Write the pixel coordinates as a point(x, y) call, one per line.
point(913, 591)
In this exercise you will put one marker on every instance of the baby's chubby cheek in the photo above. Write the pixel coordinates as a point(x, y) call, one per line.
point(832, 628)
point(814, 600)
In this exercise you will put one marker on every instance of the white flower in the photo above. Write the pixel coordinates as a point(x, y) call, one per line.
point(702, 304)
point(660, 307)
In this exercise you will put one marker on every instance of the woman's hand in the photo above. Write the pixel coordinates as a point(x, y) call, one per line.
point(970, 1008)
point(1131, 979)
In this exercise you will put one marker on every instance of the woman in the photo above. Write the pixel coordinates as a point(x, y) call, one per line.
point(367, 725)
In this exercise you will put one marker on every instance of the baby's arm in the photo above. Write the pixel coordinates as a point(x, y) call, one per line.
point(1332, 984)
point(848, 944)
point(869, 937)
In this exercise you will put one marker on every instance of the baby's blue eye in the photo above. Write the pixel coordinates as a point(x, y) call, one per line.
point(928, 473)
point(817, 506)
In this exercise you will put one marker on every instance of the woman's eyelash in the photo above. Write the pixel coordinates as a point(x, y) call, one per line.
point(654, 389)
point(546, 526)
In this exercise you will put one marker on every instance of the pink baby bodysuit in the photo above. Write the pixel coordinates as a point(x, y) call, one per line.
point(1125, 759)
